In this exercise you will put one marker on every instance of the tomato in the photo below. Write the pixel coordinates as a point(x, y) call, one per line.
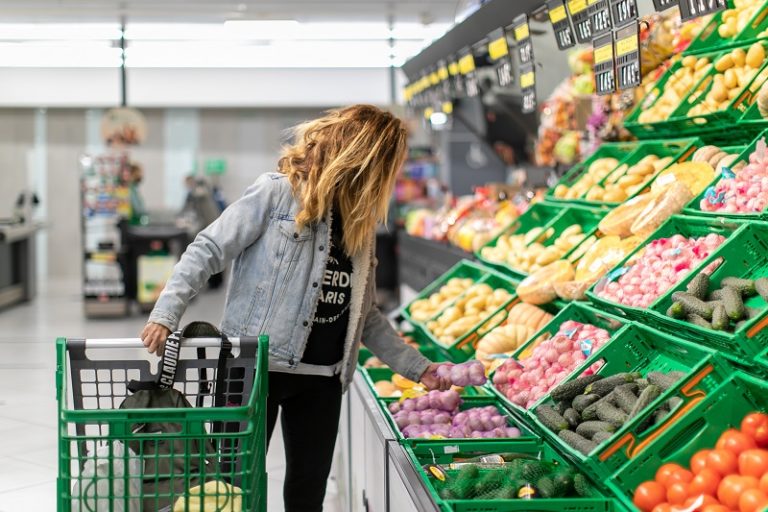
point(735, 441)
point(699, 461)
point(753, 463)
point(681, 475)
point(705, 482)
point(753, 500)
point(764, 484)
point(723, 461)
point(700, 500)
point(761, 436)
point(752, 422)
point(732, 487)
point(715, 508)
point(664, 507)
point(648, 495)
point(677, 493)
point(664, 473)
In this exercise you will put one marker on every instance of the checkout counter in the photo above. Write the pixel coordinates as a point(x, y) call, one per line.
point(17, 262)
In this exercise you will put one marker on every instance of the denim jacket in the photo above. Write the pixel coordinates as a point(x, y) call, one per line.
point(276, 281)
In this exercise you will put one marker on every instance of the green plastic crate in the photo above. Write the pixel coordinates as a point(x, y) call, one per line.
point(539, 215)
point(577, 312)
point(677, 224)
point(466, 403)
point(448, 452)
point(744, 255)
point(587, 218)
point(709, 39)
point(90, 388)
point(618, 150)
point(752, 122)
point(693, 208)
point(699, 428)
point(374, 375)
point(642, 349)
point(417, 335)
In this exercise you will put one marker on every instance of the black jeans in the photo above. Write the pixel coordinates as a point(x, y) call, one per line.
point(310, 407)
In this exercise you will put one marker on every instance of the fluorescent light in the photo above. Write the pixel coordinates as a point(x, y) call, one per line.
point(438, 118)
point(262, 29)
point(58, 31)
point(57, 56)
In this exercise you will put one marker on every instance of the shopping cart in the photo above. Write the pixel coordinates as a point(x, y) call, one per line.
point(224, 448)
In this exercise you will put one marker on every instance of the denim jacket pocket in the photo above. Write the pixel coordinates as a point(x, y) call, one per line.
point(292, 241)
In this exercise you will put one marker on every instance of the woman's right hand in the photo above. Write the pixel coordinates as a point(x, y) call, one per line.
point(154, 336)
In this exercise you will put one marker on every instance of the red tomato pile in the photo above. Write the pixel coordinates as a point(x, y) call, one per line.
point(731, 477)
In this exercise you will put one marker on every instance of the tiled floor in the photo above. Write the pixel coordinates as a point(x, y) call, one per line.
point(28, 445)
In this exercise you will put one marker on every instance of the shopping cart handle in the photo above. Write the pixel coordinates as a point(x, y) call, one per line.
point(137, 343)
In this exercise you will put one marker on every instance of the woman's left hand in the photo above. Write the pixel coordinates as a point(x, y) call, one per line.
point(431, 381)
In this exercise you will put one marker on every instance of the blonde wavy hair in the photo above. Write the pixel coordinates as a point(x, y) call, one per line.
point(348, 158)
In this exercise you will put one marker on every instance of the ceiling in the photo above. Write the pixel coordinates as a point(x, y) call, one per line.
point(211, 11)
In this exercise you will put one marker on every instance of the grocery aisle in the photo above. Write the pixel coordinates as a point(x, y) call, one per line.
point(28, 449)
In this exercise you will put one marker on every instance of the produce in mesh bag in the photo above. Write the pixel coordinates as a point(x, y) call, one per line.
point(669, 201)
point(538, 288)
point(522, 322)
point(470, 373)
point(743, 191)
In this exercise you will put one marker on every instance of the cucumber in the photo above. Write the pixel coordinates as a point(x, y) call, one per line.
point(754, 312)
point(659, 415)
point(535, 470)
point(614, 416)
point(590, 412)
point(676, 310)
point(601, 437)
point(572, 417)
point(561, 407)
point(720, 320)
point(663, 380)
point(546, 487)
point(648, 395)
point(761, 286)
point(563, 481)
point(698, 320)
point(625, 398)
point(508, 492)
point(716, 295)
point(604, 386)
point(570, 390)
point(745, 286)
point(582, 486)
point(734, 306)
point(581, 402)
point(577, 442)
point(674, 402)
point(589, 428)
point(699, 285)
point(550, 418)
point(693, 305)
point(641, 384)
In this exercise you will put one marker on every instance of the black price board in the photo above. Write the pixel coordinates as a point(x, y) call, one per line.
point(605, 76)
point(599, 17)
point(690, 9)
point(623, 12)
point(580, 18)
point(627, 51)
point(663, 5)
point(457, 79)
point(560, 24)
point(469, 74)
point(528, 87)
point(445, 81)
point(522, 33)
point(498, 51)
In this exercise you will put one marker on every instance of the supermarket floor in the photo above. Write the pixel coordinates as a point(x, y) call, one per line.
point(28, 449)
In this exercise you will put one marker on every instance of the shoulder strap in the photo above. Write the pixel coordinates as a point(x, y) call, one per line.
point(168, 363)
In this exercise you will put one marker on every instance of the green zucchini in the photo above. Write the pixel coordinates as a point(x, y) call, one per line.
point(571, 389)
point(590, 412)
point(645, 399)
point(625, 398)
point(614, 416)
point(581, 402)
point(604, 386)
point(572, 417)
point(589, 428)
point(577, 442)
point(550, 418)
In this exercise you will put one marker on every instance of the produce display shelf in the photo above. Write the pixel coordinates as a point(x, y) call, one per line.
point(449, 451)
point(677, 224)
point(643, 350)
point(752, 122)
point(709, 39)
point(744, 255)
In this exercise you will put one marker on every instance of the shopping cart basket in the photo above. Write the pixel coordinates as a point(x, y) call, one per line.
point(92, 377)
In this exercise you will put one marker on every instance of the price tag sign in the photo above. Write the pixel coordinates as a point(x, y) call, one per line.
point(599, 17)
point(605, 76)
point(690, 9)
point(498, 51)
point(627, 50)
point(528, 87)
point(457, 79)
point(444, 76)
point(623, 12)
point(663, 5)
point(469, 74)
point(560, 24)
point(522, 33)
point(580, 17)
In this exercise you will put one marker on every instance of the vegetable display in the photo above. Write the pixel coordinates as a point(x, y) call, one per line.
point(526, 381)
point(470, 373)
point(741, 191)
point(596, 172)
point(587, 411)
point(624, 181)
point(730, 476)
point(424, 309)
point(523, 321)
point(663, 263)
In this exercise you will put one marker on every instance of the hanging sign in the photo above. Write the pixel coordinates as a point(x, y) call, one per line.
point(605, 78)
point(623, 12)
point(580, 18)
point(498, 51)
point(690, 9)
point(457, 79)
point(445, 78)
point(599, 17)
point(663, 5)
point(627, 50)
point(522, 33)
point(560, 24)
point(528, 87)
point(469, 73)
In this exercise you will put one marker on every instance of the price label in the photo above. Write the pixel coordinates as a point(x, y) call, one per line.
point(528, 87)
point(605, 75)
point(663, 5)
point(599, 17)
point(498, 51)
point(623, 12)
point(445, 78)
point(560, 24)
point(690, 9)
point(580, 18)
point(627, 48)
point(522, 33)
point(467, 69)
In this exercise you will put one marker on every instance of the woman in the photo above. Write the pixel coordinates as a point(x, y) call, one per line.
point(302, 241)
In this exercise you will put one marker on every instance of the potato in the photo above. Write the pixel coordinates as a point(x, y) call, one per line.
point(739, 57)
point(755, 56)
point(725, 62)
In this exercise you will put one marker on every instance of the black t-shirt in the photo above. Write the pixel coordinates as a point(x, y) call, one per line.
point(329, 328)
